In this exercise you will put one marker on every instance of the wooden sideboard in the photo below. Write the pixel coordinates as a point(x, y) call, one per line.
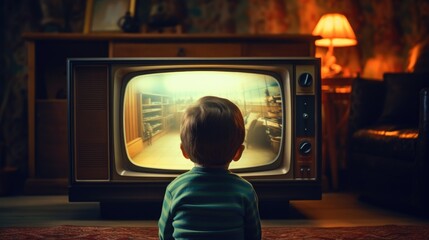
point(47, 82)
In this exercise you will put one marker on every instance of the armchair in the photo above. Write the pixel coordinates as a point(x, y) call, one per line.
point(388, 141)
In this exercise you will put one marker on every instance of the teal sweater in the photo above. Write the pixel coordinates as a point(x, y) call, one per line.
point(209, 203)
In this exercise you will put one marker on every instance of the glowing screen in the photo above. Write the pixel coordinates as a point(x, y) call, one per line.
point(154, 104)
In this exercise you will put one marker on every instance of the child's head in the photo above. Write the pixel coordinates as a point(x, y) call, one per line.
point(212, 132)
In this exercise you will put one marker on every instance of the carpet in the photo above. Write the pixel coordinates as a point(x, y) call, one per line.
point(414, 232)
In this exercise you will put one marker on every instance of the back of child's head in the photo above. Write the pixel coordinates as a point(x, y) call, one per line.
point(212, 130)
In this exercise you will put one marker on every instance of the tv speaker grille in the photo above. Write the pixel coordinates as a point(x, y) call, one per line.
point(91, 122)
point(92, 86)
point(92, 159)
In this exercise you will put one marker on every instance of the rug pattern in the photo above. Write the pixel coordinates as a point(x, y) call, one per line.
point(415, 232)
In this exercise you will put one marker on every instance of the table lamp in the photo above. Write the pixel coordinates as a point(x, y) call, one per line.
point(335, 30)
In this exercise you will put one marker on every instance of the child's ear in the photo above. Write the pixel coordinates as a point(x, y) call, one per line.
point(238, 154)
point(185, 154)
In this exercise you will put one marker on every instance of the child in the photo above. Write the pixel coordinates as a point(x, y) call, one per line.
point(210, 202)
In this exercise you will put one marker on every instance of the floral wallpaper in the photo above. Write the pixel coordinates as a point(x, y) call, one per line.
point(16, 18)
point(386, 31)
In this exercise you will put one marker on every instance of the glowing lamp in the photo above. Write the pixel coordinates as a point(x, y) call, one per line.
point(335, 30)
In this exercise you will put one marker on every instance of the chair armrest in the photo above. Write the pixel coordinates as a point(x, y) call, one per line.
point(424, 110)
point(366, 103)
point(423, 141)
point(422, 156)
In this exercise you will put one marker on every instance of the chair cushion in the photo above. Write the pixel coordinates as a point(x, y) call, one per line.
point(401, 104)
point(387, 141)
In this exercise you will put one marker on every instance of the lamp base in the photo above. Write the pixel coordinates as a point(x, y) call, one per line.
point(330, 68)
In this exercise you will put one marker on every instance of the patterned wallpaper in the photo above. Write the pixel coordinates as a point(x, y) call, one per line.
point(386, 30)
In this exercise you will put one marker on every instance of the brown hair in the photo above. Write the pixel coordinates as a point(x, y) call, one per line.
point(212, 130)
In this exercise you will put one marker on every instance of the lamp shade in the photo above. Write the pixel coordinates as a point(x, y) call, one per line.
point(335, 30)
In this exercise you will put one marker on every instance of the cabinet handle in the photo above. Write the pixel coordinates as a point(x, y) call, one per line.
point(181, 52)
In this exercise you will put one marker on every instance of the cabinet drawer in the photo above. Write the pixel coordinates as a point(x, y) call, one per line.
point(176, 50)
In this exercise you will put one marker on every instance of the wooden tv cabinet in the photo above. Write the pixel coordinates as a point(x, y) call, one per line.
point(48, 160)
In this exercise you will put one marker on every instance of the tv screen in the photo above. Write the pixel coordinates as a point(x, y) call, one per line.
point(124, 122)
point(163, 97)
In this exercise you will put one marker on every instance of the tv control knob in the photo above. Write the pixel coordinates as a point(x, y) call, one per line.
point(305, 148)
point(305, 115)
point(305, 80)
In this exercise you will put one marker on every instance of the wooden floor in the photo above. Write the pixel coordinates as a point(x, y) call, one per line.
point(335, 209)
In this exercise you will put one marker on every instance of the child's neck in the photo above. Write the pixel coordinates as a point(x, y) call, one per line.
point(226, 166)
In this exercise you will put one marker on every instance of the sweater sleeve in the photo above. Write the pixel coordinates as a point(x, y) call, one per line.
point(252, 219)
point(165, 223)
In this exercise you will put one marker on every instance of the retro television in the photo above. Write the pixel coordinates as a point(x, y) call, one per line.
point(124, 116)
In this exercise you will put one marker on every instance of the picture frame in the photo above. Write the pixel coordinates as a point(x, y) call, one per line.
point(103, 15)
